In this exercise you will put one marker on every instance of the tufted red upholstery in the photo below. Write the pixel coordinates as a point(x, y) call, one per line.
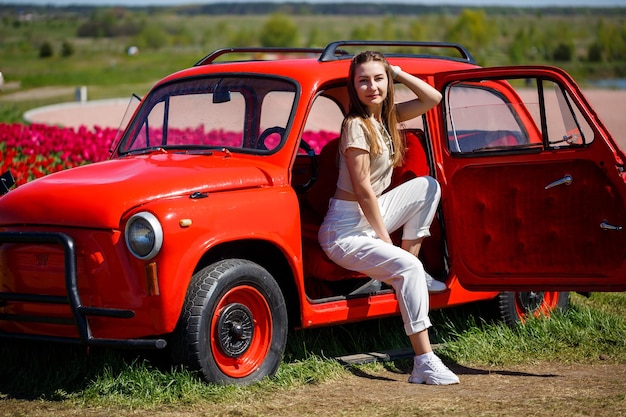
point(415, 160)
point(316, 263)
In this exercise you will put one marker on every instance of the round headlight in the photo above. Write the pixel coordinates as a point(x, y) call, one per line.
point(144, 235)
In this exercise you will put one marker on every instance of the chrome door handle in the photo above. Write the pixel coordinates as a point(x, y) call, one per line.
point(607, 226)
point(566, 180)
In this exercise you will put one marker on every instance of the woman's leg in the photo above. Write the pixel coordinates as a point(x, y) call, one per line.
point(357, 249)
point(412, 246)
point(412, 206)
point(420, 342)
point(404, 272)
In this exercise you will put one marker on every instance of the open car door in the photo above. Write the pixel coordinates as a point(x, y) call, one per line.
point(533, 185)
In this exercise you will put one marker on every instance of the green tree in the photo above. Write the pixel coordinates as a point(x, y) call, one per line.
point(218, 35)
point(243, 37)
point(315, 38)
point(387, 29)
point(152, 36)
point(594, 52)
point(518, 47)
point(279, 31)
point(182, 36)
point(470, 29)
point(611, 39)
point(46, 50)
point(67, 49)
point(416, 31)
point(563, 52)
point(364, 32)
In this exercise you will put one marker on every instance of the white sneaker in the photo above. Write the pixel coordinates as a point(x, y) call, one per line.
point(428, 369)
point(433, 284)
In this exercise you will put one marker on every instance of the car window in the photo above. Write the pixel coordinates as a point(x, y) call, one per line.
point(512, 115)
point(565, 124)
point(237, 113)
point(323, 124)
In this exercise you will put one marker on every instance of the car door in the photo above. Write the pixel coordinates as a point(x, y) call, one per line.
point(533, 186)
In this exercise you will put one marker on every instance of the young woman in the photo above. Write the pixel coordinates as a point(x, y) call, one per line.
point(355, 232)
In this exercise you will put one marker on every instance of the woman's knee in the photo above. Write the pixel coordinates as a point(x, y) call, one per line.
point(433, 189)
point(426, 186)
point(410, 274)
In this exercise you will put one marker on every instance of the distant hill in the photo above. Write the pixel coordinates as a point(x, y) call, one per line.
point(306, 8)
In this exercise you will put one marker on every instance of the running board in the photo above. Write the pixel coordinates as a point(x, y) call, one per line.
point(382, 356)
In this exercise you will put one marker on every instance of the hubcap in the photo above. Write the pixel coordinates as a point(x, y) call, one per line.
point(235, 330)
point(530, 300)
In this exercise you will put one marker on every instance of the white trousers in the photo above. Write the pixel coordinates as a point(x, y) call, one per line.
point(348, 239)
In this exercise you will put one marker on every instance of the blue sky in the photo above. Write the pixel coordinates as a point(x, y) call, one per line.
point(527, 3)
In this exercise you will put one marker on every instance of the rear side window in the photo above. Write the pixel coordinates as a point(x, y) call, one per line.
point(512, 115)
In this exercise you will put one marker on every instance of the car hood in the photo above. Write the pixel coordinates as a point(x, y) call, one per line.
point(97, 195)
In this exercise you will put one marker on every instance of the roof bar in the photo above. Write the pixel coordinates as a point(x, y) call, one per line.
point(331, 52)
point(267, 50)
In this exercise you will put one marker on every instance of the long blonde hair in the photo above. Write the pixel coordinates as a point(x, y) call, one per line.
point(388, 114)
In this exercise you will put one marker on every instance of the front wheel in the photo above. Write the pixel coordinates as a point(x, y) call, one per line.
point(515, 307)
point(233, 327)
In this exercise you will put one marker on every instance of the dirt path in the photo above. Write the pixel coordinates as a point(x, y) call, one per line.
point(531, 390)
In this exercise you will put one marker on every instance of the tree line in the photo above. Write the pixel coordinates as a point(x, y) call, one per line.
point(495, 35)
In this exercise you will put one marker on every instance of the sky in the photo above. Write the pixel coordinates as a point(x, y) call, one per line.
point(517, 3)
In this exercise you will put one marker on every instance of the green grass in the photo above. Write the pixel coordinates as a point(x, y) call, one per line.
point(13, 113)
point(590, 331)
point(581, 334)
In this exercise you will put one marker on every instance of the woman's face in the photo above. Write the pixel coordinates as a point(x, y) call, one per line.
point(370, 82)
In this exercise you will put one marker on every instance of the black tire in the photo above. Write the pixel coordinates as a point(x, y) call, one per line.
point(233, 326)
point(515, 307)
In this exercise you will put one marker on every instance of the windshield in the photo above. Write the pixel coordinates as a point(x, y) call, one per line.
point(247, 114)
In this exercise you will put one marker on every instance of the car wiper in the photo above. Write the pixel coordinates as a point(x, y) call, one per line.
point(144, 151)
point(509, 147)
point(186, 149)
point(194, 149)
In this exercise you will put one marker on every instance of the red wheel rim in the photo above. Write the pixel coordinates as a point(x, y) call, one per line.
point(248, 303)
point(535, 304)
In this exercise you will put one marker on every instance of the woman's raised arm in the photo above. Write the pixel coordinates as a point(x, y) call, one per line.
point(427, 96)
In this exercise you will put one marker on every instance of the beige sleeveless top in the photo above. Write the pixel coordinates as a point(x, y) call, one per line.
point(354, 135)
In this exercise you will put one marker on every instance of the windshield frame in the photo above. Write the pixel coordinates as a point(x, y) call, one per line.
point(252, 89)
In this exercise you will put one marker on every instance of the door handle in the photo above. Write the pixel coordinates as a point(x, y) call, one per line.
point(566, 180)
point(608, 226)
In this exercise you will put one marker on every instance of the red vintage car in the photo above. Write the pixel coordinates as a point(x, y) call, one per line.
point(199, 234)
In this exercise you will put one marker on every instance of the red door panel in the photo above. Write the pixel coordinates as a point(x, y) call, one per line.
point(512, 225)
point(544, 210)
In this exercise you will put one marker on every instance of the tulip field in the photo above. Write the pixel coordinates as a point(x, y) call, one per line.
point(32, 151)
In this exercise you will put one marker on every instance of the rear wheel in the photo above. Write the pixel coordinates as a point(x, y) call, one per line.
point(515, 307)
point(233, 327)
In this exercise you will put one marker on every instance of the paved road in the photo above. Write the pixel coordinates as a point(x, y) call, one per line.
point(609, 104)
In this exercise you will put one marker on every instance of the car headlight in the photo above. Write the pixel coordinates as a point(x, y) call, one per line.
point(144, 235)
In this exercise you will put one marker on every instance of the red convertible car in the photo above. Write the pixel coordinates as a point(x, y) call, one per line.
point(199, 234)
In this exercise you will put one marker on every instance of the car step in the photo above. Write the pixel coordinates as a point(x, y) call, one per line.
point(382, 356)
